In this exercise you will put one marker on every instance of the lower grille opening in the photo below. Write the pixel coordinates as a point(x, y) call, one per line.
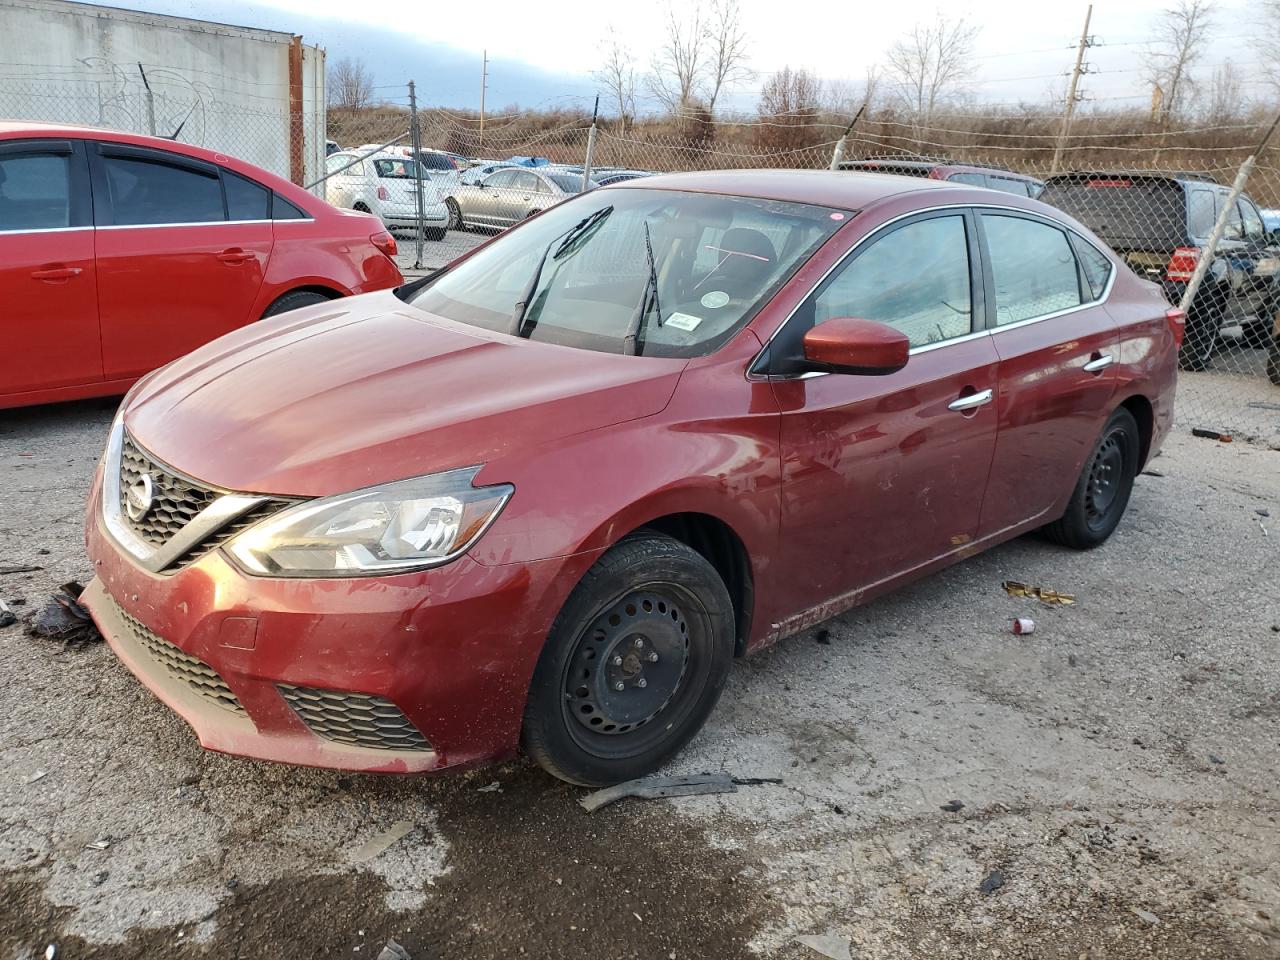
point(191, 671)
point(359, 719)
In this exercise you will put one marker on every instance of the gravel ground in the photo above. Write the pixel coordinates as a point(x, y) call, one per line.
point(1118, 768)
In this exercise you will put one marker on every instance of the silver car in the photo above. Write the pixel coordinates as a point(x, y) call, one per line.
point(508, 196)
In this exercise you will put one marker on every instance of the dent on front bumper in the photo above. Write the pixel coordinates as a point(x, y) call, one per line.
point(434, 667)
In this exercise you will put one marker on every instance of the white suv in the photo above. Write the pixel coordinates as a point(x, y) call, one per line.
point(382, 184)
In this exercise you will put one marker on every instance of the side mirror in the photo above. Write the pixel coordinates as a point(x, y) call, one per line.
point(849, 345)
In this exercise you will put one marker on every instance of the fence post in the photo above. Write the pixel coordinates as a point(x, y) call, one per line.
point(415, 139)
point(837, 155)
point(591, 145)
point(1206, 255)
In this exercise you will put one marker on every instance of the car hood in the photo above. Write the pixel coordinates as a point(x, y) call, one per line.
point(365, 390)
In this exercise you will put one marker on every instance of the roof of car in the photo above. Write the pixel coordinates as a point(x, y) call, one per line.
point(849, 190)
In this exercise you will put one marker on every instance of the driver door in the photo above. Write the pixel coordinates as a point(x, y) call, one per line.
point(883, 476)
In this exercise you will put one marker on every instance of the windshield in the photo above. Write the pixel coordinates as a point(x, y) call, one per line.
point(716, 260)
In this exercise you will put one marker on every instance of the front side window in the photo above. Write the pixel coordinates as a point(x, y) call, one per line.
point(1253, 228)
point(716, 260)
point(35, 191)
point(155, 192)
point(1033, 266)
point(915, 279)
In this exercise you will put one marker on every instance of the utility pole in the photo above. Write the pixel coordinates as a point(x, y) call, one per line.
point(1086, 41)
point(484, 85)
point(591, 146)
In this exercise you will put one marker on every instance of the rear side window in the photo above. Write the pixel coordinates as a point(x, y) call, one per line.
point(154, 192)
point(1033, 267)
point(246, 200)
point(915, 279)
point(35, 192)
point(282, 209)
point(1097, 268)
point(1200, 213)
point(973, 179)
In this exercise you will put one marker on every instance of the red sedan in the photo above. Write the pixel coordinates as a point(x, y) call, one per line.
point(119, 253)
point(544, 497)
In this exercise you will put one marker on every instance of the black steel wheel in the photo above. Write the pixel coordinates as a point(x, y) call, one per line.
point(633, 665)
point(1103, 488)
point(1204, 325)
point(455, 214)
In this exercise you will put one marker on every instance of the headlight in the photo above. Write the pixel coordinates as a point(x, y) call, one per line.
point(391, 528)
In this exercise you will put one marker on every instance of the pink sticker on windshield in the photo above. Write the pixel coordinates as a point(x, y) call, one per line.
point(837, 216)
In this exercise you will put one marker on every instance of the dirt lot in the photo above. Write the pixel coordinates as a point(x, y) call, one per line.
point(1119, 768)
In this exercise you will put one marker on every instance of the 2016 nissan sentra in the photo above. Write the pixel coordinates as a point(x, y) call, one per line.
point(543, 497)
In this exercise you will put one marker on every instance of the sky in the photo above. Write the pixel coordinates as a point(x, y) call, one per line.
point(543, 55)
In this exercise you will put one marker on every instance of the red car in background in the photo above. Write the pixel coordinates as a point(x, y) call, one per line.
point(120, 252)
point(544, 496)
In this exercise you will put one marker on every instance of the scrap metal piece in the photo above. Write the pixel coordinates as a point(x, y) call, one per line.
point(829, 945)
point(652, 788)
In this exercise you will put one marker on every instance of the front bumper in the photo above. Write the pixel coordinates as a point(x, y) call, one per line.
point(433, 667)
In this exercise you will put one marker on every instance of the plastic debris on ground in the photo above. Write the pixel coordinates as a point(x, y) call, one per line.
point(382, 841)
point(1211, 435)
point(1043, 594)
point(992, 882)
point(64, 618)
point(828, 944)
point(952, 806)
point(393, 951)
point(653, 788)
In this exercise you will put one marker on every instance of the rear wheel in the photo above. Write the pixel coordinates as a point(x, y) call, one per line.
point(455, 214)
point(293, 301)
point(1204, 322)
point(1273, 361)
point(1102, 491)
point(633, 665)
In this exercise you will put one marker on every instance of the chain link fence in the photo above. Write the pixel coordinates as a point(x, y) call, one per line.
point(1154, 195)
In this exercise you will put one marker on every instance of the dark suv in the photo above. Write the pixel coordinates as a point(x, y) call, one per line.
point(975, 174)
point(1159, 223)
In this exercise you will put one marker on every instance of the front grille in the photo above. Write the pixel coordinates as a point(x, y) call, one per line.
point(191, 671)
point(359, 719)
point(176, 501)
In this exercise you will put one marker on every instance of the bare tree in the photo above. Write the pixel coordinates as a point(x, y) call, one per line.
point(789, 105)
point(846, 97)
point(618, 75)
point(928, 65)
point(1223, 97)
point(1179, 37)
point(350, 84)
point(1265, 27)
point(675, 80)
point(726, 53)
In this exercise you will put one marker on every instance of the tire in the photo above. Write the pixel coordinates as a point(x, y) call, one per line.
point(1273, 362)
point(1204, 323)
point(455, 215)
point(1258, 332)
point(654, 616)
point(1102, 492)
point(434, 234)
point(361, 207)
point(293, 301)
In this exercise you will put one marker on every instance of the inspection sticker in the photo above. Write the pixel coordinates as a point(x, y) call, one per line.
point(715, 299)
point(683, 321)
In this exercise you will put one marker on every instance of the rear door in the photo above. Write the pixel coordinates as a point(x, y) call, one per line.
point(180, 258)
point(48, 291)
point(1058, 350)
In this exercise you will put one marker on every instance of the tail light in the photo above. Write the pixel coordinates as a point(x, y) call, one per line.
point(1182, 264)
point(383, 194)
point(1177, 320)
point(384, 242)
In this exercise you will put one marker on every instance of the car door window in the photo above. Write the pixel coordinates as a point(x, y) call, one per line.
point(246, 200)
point(1252, 220)
point(1097, 268)
point(527, 182)
point(1033, 266)
point(915, 279)
point(149, 191)
point(35, 191)
point(1235, 227)
point(282, 209)
point(335, 162)
point(1200, 213)
point(501, 179)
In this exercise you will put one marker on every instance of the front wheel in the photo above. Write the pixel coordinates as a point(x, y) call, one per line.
point(633, 665)
point(1102, 491)
point(455, 214)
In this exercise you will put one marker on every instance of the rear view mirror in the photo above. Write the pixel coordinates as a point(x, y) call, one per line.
point(849, 345)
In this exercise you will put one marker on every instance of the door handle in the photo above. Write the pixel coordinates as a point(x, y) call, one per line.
point(55, 274)
point(1098, 364)
point(235, 255)
point(971, 401)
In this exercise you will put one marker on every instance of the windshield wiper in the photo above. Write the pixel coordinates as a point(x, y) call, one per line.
point(570, 240)
point(649, 298)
